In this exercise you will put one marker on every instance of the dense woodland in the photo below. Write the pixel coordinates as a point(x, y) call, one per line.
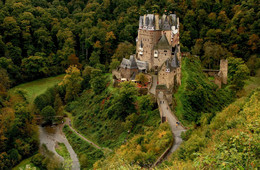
point(43, 38)
point(40, 38)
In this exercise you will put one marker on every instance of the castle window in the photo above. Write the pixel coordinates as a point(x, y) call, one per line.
point(155, 53)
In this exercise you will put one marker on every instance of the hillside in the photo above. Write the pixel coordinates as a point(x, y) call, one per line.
point(230, 140)
point(56, 58)
point(103, 122)
point(197, 96)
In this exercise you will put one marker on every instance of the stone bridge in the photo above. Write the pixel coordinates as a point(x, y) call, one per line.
point(167, 116)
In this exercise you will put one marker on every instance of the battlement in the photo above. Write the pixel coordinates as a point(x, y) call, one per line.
point(155, 22)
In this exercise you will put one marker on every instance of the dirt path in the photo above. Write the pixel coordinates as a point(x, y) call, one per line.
point(50, 139)
point(68, 122)
point(171, 119)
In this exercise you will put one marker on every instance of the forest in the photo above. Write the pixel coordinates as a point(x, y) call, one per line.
point(41, 38)
point(85, 39)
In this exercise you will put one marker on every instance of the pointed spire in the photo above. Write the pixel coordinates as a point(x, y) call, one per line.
point(163, 43)
point(133, 63)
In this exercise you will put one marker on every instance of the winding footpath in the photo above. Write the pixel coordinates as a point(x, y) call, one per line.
point(51, 139)
point(68, 122)
point(170, 117)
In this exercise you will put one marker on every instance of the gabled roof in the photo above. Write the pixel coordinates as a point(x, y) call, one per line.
point(133, 63)
point(163, 43)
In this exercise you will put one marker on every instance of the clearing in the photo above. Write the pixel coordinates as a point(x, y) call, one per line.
point(37, 87)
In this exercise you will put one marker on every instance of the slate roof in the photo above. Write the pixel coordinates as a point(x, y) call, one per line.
point(132, 63)
point(173, 63)
point(163, 43)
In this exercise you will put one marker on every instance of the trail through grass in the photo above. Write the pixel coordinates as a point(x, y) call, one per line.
point(38, 87)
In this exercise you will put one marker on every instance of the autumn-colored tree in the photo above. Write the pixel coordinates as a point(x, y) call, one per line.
point(142, 78)
point(124, 50)
point(73, 60)
point(72, 82)
point(4, 78)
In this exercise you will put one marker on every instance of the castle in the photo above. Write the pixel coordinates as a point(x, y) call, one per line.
point(157, 50)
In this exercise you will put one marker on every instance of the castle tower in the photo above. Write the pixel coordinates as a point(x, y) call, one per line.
point(224, 70)
point(152, 31)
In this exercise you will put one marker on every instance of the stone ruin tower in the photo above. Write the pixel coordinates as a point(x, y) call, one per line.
point(224, 70)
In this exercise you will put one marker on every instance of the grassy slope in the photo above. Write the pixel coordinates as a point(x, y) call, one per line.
point(231, 140)
point(91, 119)
point(98, 127)
point(197, 96)
point(38, 87)
point(87, 154)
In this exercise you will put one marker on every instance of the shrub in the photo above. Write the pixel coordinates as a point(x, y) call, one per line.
point(48, 113)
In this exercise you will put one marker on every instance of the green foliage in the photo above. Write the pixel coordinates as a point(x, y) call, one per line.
point(145, 103)
point(97, 81)
point(72, 83)
point(117, 116)
point(83, 149)
point(238, 72)
point(18, 132)
point(214, 29)
point(142, 78)
point(46, 159)
point(86, 75)
point(230, 140)
point(94, 58)
point(34, 67)
point(142, 149)
point(197, 95)
point(63, 151)
point(124, 50)
point(114, 64)
point(48, 113)
point(124, 102)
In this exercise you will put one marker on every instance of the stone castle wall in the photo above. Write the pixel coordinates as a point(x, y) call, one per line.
point(163, 55)
point(149, 39)
point(167, 78)
point(127, 73)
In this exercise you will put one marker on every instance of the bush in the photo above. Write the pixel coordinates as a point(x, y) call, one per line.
point(48, 114)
